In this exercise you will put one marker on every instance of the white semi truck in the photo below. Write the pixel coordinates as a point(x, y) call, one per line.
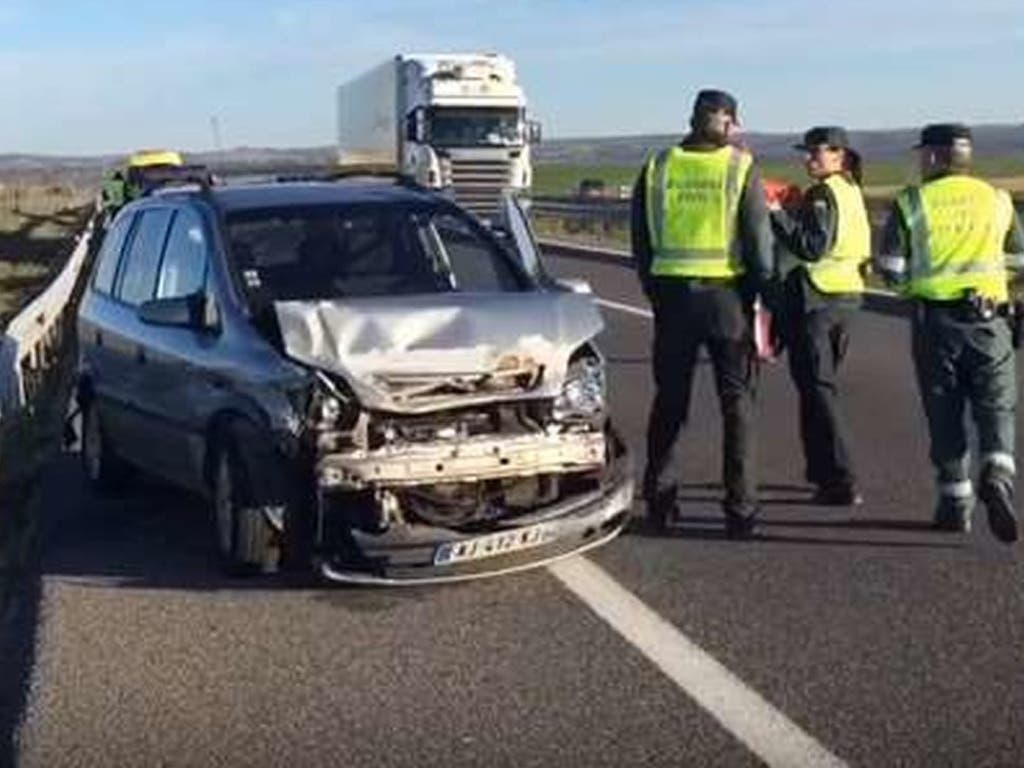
point(451, 121)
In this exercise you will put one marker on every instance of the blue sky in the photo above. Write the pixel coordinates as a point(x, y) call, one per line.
point(89, 77)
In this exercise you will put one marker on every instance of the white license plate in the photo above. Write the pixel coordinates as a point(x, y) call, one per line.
point(492, 545)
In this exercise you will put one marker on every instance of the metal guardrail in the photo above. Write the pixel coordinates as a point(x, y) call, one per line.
point(608, 214)
point(551, 206)
point(875, 299)
point(612, 213)
point(32, 341)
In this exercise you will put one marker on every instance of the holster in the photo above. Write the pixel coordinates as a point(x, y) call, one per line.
point(1016, 320)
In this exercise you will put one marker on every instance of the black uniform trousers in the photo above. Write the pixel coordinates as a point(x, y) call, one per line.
point(817, 335)
point(689, 315)
point(965, 364)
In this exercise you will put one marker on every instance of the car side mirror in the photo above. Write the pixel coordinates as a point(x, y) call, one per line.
point(178, 312)
point(415, 126)
point(533, 132)
point(574, 285)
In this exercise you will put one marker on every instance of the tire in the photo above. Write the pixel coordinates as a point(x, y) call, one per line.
point(246, 542)
point(105, 472)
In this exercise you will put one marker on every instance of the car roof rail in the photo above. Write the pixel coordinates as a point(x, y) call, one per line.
point(343, 174)
point(172, 178)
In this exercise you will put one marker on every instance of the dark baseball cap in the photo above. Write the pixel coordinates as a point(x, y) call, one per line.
point(709, 100)
point(830, 135)
point(943, 135)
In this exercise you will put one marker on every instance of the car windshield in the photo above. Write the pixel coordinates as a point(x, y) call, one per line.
point(326, 252)
point(474, 127)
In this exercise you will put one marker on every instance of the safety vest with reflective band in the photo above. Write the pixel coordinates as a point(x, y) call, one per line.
point(838, 271)
point(692, 210)
point(957, 227)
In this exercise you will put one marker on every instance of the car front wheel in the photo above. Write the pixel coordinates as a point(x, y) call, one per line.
point(245, 539)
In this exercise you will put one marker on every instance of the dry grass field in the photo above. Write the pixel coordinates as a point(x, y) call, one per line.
point(37, 223)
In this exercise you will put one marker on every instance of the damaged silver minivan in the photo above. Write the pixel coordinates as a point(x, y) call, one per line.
point(359, 376)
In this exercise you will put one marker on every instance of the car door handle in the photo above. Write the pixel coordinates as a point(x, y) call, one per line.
point(140, 356)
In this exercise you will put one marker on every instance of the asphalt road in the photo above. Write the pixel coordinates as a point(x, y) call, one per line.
point(884, 642)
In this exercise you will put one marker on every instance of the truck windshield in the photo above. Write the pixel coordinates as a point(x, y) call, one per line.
point(480, 127)
point(326, 252)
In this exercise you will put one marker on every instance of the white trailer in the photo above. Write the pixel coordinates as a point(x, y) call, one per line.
point(451, 121)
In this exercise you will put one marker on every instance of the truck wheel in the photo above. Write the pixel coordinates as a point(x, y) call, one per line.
point(105, 472)
point(245, 540)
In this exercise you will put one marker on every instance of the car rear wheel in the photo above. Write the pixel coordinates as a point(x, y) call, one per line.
point(105, 472)
point(245, 540)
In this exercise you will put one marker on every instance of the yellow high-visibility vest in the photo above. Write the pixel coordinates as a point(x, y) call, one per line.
point(838, 271)
point(692, 210)
point(957, 227)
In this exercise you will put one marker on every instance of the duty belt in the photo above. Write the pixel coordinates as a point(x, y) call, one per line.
point(709, 282)
point(971, 309)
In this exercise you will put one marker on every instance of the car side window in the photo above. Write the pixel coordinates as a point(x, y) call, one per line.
point(183, 271)
point(137, 277)
point(110, 254)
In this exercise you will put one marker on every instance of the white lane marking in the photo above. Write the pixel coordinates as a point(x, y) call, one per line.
point(624, 307)
point(766, 731)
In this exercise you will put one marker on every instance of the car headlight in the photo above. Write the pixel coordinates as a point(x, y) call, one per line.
point(583, 393)
point(331, 404)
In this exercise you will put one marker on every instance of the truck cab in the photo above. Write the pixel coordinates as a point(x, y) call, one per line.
point(451, 121)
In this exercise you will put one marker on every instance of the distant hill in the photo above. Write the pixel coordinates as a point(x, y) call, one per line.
point(87, 170)
point(991, 140)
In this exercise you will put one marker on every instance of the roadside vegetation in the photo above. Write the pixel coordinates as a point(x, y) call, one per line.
point(37, 223)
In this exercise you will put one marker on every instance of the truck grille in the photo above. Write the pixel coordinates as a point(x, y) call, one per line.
point(478, 184)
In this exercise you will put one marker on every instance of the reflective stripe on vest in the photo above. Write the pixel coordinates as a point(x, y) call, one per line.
point(957, 227)
point(838, 271)
point(692, 209)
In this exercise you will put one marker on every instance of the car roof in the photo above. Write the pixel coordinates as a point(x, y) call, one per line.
point(285, 194)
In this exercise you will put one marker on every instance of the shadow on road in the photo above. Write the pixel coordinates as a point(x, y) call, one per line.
point(153, 536)
point(18, 629)
point(711, 528)
point(150, 536)
point(794, 503)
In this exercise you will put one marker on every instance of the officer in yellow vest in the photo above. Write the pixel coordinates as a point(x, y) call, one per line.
point(703, 247)
point(831, 239)
point(949, 244)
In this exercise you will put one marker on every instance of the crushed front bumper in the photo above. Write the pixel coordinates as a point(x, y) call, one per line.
point(414, 554)
point(478, 458)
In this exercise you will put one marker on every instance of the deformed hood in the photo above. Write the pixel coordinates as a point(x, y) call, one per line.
point(416, 353)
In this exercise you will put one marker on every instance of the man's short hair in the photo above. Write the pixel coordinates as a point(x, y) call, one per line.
point(711, 100)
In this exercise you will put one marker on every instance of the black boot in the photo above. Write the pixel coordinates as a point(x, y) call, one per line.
point(661, 509)
point(996, 492)
point(952, 515)
point(740, 520)
point(840, 494)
